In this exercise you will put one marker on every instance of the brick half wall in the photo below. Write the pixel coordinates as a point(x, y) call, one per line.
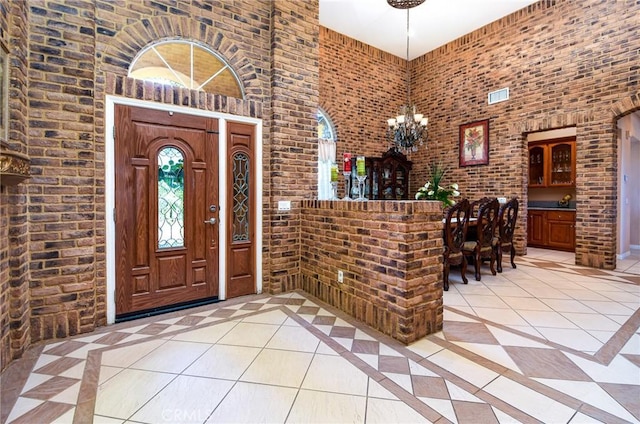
point(391, 255)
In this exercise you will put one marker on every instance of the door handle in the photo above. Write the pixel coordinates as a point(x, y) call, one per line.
point(211, 221)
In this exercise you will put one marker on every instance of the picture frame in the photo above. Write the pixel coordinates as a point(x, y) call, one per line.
point(474, 143)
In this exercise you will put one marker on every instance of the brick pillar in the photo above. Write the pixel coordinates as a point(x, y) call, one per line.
point(595, 183)
point(293, 148)
point(14, 233)
point(62, 192)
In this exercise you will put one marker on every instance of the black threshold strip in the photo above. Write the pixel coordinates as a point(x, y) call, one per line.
point(130, 316)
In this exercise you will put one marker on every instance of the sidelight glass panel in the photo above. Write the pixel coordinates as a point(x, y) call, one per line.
point(170, 198)
point(240, 197)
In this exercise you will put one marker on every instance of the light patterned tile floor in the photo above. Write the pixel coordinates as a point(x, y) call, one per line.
point(546, 342)
point(630, 264)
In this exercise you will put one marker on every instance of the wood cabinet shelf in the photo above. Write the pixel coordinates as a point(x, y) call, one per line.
point(553, 163)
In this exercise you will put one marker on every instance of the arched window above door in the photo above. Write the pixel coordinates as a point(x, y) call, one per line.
point(186, 64)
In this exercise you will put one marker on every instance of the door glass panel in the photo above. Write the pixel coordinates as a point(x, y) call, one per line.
point(240, 197)
point(170, 198)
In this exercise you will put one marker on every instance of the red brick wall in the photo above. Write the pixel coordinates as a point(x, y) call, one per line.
point(360, 88)
point(294, 153)
point(14, 241)
point(566, 63)
point(391, 256)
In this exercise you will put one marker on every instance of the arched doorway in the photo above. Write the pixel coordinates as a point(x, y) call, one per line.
point(628, 234)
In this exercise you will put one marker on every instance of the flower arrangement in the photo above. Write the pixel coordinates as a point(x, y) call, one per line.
point(432, 190)
point(474, 139)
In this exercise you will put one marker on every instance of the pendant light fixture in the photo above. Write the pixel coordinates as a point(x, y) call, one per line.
point(408, 130)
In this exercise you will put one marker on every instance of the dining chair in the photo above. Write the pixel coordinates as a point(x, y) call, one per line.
point(475, 206)
point(507, 220)
point(482, 247)
point(455, 232)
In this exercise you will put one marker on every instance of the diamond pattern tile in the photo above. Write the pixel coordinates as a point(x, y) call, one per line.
point(472, 332)
point(545, 363)
point(50, 388)
point(58, 366)
point(431, 387)
point(626, 395)
point(424, 377)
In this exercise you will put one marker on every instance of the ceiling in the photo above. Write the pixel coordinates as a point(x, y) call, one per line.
point(432, 24)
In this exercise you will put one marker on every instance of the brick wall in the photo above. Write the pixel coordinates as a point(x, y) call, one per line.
point(240, 31)
point(294, 153)
point(566, 64)
point(360, 88)
point(62, 191)
point(80, 53)
point(14, 265)
point(391, 256)
point(5, 336)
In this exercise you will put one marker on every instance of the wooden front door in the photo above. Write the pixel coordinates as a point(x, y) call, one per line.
point(166, 167)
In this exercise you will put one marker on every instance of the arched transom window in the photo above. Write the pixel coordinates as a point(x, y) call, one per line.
point(186, 64)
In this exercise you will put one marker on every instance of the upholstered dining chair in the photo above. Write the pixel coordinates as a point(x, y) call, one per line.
point(456, 222)
point(482, 247)
point(507, 219)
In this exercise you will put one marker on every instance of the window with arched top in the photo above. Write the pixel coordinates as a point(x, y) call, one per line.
point(186, 64)
point(326, 154)
point(170, 198)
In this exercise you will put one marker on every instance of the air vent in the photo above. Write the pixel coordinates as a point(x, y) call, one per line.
point(498, 96)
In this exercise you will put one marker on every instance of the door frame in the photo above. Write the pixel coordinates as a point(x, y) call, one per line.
point(109, 182)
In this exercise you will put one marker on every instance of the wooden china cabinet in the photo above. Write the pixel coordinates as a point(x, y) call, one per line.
point(388, 176)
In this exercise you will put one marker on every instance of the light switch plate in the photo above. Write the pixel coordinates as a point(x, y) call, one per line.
point(284, 205)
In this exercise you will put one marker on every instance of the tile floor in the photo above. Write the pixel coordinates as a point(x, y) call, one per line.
point(547, 342)
point(630, 264)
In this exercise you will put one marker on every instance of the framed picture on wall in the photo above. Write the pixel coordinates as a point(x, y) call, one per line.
point(474, 143)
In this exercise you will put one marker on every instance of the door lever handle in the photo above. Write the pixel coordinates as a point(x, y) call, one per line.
point(211, 221)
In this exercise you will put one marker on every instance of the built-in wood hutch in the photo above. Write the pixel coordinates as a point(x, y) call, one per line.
point(551, 214)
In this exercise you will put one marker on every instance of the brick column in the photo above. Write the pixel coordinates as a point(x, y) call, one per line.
point(391, 255)
point(293, 149)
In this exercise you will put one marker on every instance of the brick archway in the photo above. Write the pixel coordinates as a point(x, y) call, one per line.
point(625, 106)
point(120, 49)
point(595, 238)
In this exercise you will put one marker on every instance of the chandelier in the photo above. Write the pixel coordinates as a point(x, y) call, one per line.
point(404, 4)
point(407, 130)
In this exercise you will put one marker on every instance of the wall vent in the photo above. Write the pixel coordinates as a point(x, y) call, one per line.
point(498, 96)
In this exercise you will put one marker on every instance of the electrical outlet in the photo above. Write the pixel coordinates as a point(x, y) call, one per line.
point(340, 277)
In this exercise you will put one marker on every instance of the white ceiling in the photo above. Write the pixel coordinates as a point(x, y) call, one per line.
point(432, 24)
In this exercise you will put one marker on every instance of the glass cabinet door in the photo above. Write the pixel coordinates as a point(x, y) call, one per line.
point(561, 164)
point(536, 166)
point(401, 177)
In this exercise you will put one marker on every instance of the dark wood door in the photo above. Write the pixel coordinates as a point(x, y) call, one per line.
point(561, 232)
point(536, 228)
point(241, 225)
point(166, 207)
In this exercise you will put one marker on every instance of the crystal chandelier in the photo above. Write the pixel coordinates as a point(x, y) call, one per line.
point(407, 130)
